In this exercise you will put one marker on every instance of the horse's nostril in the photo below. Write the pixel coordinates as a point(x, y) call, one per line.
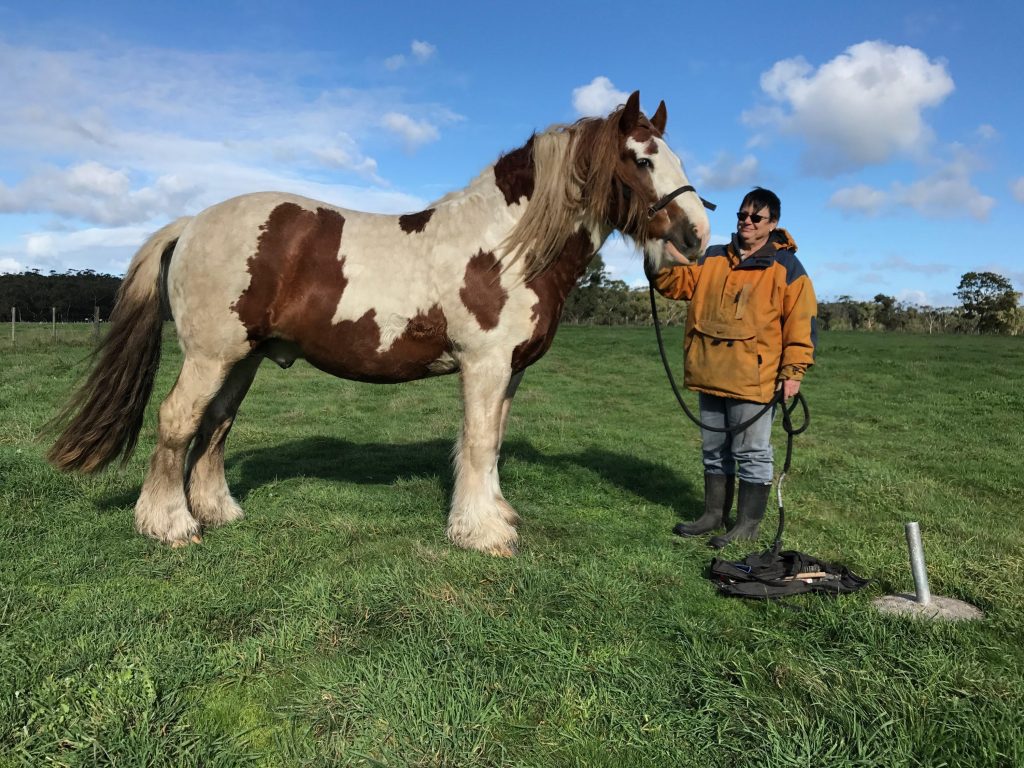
point(691, 237)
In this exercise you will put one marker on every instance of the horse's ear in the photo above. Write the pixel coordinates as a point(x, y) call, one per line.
point(630, 113)
point(660, 118)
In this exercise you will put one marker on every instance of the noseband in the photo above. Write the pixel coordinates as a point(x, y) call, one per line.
point(653, 210)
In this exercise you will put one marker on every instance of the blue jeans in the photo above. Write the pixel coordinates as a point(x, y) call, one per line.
point(748, 453)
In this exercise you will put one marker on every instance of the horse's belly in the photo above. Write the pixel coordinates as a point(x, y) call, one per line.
point(364, 351)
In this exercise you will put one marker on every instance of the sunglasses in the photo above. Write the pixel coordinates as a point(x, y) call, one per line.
point(755, 218)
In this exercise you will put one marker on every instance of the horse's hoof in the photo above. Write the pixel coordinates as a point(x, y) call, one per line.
point(504, 550)
point(194, 539)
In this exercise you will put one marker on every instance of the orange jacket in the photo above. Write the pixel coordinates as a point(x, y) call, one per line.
point(750, 323)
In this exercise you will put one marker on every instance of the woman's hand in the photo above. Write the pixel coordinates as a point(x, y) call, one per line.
point(789, 388)
point(672, 253)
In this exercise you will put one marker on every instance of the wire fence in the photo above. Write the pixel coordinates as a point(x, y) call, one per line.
point(35, 334)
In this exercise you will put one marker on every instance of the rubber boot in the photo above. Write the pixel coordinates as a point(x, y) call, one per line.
point(718, 492)
point(753, 499)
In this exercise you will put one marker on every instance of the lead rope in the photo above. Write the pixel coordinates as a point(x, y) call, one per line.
point(787, 422)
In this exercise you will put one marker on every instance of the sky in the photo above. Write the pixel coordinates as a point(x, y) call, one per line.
point(890, 130)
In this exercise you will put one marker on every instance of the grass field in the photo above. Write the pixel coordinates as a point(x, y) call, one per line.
point(334, 625)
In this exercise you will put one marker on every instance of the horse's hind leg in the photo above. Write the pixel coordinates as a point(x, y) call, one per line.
point(477, 519)
point(162, 510)
point(209, 498)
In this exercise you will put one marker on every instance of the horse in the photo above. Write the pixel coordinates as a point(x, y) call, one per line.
point(473, 284)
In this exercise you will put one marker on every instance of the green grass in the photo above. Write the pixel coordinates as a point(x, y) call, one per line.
point(334, 625)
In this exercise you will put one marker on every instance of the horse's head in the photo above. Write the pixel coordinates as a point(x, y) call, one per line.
point(652, 200)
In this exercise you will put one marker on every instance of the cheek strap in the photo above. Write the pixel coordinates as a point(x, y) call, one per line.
point(653, 210)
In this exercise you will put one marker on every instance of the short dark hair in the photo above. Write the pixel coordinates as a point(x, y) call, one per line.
point(759, 198)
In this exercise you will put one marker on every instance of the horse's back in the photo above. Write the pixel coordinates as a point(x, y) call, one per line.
point(351, 291)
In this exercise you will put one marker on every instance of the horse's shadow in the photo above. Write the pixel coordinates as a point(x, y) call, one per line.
point(343, 461)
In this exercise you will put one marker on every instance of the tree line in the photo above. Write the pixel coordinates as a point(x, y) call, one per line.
point(75, 295)
point(988, 304)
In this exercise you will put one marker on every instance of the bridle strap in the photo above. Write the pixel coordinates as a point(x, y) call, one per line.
point(653, 210)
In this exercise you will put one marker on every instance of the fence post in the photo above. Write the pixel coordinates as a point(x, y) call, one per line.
point(53, 321)
point(96, 324)
point(13, 311)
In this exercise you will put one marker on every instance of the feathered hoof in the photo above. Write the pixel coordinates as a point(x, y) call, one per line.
point(499, 540)
point(508, 513)
point(224, 511)
point(511, 549)
point(195, 538)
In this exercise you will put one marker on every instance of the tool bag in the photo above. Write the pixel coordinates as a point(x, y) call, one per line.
point(772, 574)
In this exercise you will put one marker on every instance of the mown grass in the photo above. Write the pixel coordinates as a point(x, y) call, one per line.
point(334, 625)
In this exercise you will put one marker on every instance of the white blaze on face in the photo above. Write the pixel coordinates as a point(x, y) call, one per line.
point(668, 175)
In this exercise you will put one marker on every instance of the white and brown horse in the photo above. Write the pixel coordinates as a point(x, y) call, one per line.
point(474, 284)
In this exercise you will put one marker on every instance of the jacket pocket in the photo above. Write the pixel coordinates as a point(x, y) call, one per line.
point(723, 357)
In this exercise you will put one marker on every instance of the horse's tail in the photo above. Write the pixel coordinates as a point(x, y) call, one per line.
point(103, 418)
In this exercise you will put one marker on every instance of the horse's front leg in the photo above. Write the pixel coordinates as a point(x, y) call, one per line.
point(480, 517)
point(507, 511)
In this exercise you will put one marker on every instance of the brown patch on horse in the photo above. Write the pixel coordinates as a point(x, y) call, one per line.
point(482, 292)
point(349, 349)
point(295, 268)
point(552, 287)
point(415, 222)
point(297, 283)
point(514, 174)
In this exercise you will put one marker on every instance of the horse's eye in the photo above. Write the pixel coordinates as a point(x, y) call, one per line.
point(643, 162)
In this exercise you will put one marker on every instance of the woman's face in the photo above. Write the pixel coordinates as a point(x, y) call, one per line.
point(753, 225)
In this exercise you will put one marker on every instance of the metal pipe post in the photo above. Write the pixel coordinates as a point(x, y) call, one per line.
point(924, 595)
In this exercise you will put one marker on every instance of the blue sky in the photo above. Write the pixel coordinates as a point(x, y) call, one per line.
point(891, 130)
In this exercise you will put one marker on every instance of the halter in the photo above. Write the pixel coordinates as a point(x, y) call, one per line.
point(653, 210)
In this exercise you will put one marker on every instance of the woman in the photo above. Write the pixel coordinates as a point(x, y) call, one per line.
point(750, 331)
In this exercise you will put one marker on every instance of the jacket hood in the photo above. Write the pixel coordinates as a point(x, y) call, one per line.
point(782, 240)
point(778, 240)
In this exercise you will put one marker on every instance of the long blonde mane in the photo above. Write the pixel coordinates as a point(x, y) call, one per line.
point(574, 170)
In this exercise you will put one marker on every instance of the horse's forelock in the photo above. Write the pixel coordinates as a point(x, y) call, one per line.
point(600, 152)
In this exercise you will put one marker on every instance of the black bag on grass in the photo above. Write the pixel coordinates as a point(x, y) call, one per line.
point(772, 574)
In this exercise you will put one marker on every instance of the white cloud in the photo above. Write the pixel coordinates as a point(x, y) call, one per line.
point(423, 50)
point(95, 193)
point(49, 244)
point(150, 134)
point(1017, 187)
point(920, 298)
point(903, 264)
point(8, 265)
point(124, 142)
point(335, 157)
point(149, 111)
point(413, 132)
point(726, 172)
point(945, 195)
point(859, 109)
point(948, 192)
point(597, 98)
point(859, 198)
point(986, 132)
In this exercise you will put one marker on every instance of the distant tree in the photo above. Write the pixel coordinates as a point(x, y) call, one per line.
point(990, 300)
point(886, 311)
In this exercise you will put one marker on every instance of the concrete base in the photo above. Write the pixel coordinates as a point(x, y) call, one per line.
point(943, 608)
